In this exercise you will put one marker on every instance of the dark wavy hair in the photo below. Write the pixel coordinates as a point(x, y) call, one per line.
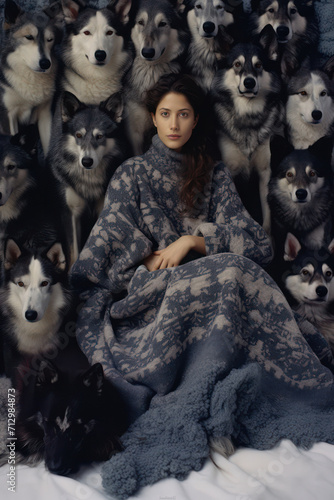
point(199, 152)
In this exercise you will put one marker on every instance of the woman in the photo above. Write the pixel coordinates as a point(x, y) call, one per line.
point(196, 336)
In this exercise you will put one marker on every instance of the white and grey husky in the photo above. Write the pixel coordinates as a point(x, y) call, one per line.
point(28, 69)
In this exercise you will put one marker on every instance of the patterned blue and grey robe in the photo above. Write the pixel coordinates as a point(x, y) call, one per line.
point(208, 348)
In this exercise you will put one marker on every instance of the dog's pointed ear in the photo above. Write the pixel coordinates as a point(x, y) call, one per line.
point(114, 106)
point(27, 139)
point(323, 149)
point(279, 149)
point(47, 374)
point(12, 253)
point(268, 41)
point(121, 8)
point(70, 104)
point(71, 9)
point(55, 11)
point(93, 378)
point(328, 67)
point(331, 247)
point(11, 13)
point(56, 255)
point(291, 247)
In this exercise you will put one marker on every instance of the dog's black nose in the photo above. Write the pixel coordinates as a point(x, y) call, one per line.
point(316, 114)
point(31, 315)
point(87, 162)
point(44, 63)
point(282, 32)
point(100, 55)
point(209, 27)
point(148, 53)
point(301, 194)
point(321, 291)
point(249, 82)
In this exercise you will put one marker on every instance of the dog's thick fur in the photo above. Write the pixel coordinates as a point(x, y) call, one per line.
point(94, 51)
point(159, 42)
point(214, 27)
point(310, 105)
point(301, 193)
point(85, 150)
point(28, 69)
point(248, 105)
point(295, 25)
point(69, 415)
point(308, 284)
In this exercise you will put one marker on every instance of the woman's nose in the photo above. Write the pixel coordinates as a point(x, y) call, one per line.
point(174, 123)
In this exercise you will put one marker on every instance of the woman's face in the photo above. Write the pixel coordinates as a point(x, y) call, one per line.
point(175, 120)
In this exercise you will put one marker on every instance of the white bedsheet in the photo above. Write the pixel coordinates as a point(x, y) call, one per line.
point(283, 473)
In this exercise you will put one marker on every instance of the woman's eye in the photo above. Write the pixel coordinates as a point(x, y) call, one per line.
point(184, 115)
point(164, 114)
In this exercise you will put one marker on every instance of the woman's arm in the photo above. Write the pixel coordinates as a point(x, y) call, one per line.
point(175, 253)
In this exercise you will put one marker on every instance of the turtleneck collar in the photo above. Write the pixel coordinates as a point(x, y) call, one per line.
point(164, 150)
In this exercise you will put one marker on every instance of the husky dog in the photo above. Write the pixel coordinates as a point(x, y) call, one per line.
point(87, 148)
point(159, 42)
point(301, 192)
point(248, 106)
point(34, 296)
point(18, 175)
point(94, 50)
point(295, 25)
point(310, 105)
point(28, 70)
point(69, 415)
point(214, 26)
point(309, 285)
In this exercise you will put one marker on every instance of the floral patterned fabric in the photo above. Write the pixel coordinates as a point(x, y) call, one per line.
point(209, 348)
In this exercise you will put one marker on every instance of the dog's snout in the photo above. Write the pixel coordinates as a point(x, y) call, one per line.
point(321, 291)
point(44, 63)
point(282, 32)
point(87, 162)
point(148, 53)
point(31, 315)
point(100, 55)
point(209, 27)
point(301, 194)
point(316, 114)
point(249, 83)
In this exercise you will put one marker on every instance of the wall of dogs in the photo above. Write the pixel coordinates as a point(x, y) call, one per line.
point(72, 79)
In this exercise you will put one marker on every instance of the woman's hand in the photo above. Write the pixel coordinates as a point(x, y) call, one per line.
point(173, 255)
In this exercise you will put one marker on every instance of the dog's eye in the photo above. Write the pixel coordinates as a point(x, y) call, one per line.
point(258, 65)
point(99, 136)
point(44, 283)
point(303, 92)
point(10, 168)
point(305, 272)
point(110, 32)
point(219, 7)
point(293, 11)
point(49, 40)
point(328, 274)
point(198, 6)
point(237, 64)
point(271, 10)
point(20, 284)
point(29, 37)
point(162, 24)
point(289, 175)
point(141, 22)
point(312, 173)
point(86, 32)
point(323, 93)
point(78, 135)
